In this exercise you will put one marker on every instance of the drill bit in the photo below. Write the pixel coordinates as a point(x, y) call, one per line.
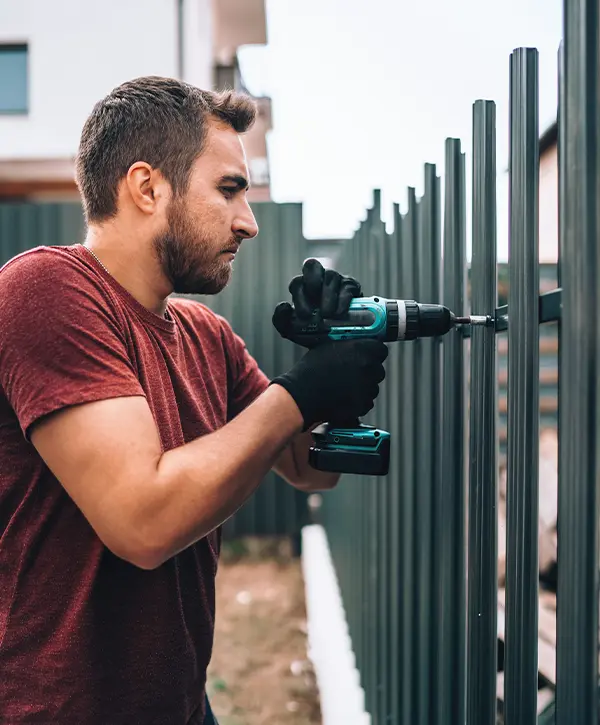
point(481, 320)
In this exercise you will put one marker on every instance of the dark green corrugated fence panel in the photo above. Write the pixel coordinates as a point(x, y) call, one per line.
point(261, 276)
point(27, 225)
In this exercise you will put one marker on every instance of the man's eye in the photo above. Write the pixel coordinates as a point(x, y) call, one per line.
point(229, 191)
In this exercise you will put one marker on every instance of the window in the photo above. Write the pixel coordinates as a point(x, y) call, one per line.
point(13, 79)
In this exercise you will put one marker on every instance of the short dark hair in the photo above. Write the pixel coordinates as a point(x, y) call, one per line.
point(163, 121)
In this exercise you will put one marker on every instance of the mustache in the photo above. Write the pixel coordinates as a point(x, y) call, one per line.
point(234, 242)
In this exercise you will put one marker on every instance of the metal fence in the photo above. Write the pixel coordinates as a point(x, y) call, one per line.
point(416, 552)
point(263, 270)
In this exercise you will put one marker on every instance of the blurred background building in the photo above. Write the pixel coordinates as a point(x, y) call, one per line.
point(58, 57)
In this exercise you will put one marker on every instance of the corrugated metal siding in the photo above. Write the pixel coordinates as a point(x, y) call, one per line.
point(262, 273)
point(27, 225)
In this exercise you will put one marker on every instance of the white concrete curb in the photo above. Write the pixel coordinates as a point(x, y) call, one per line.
point(329, 644)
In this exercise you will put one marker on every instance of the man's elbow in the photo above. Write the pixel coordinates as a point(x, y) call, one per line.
point(149, 544)
point(141, 554)
point(140, 542)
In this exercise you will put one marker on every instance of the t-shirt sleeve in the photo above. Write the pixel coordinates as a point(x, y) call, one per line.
point(61, 344)
point(248, 381)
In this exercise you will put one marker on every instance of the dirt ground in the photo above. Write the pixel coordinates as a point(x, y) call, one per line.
point(260, 674)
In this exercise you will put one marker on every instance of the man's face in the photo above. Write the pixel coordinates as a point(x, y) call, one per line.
point(206, 225)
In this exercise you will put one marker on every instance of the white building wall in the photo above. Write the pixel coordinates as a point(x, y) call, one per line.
point(198, 45)
point(80, 49)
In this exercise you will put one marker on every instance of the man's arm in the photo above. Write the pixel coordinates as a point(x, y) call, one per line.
point(146, 505)
point(292, 465)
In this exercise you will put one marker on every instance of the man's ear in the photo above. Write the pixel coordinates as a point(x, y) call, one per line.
point(147, 187)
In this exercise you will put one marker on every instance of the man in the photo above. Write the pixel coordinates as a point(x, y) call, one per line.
point(133, 424)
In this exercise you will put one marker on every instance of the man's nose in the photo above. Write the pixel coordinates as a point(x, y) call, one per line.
point(245, 225)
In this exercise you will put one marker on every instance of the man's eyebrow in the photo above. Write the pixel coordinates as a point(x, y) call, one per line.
point(241, 182)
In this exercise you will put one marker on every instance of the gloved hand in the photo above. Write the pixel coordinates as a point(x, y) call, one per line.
point(316, 289)
point(338, 379)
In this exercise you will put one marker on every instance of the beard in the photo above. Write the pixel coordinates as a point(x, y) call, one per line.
point(187, 255)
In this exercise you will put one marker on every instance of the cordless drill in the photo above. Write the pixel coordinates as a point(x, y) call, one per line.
point(352, 446)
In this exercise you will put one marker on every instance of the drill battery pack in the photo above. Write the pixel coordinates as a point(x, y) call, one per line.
point(362, 450)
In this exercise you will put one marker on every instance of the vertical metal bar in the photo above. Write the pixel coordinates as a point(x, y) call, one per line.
point(483, 490)
point(579, 445)
point(367, 269)
point(434, 183)
point(382, 489)
point(450, 597)
point(522, 576)
point(408, 270)
point(396, 483)
point(349, 265)
point(376, 489)
point(427, 383)
point(422, 500)
point(363, 561)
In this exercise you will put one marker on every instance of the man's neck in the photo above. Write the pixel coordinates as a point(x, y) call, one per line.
point(132, 265)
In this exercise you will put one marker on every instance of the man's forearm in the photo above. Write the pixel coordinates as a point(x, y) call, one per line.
point(201, 484)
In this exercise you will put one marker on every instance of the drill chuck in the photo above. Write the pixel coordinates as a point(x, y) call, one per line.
point(423, 320)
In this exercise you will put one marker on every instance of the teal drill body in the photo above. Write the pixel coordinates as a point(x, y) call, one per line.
point(351, 446)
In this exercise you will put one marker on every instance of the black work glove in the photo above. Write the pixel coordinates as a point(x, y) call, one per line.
point(336, 380)
point(316, 289)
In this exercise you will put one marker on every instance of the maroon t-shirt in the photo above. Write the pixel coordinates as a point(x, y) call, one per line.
point(86, 637)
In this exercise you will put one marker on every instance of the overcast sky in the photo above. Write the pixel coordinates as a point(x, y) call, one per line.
point(366, 91)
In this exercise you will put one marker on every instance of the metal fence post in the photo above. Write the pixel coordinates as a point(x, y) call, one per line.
point(522, 576)
point(367, 270)
point(408, 271)
point(427, 450)
point(483, 491)
point(384, 488)
point(397, 452)
point(579, 459)
point(450, 598)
